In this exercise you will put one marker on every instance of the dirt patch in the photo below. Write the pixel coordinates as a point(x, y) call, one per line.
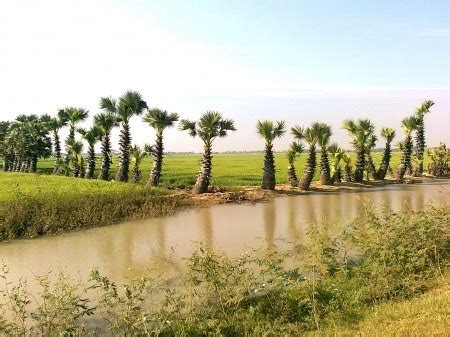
point(253, 194)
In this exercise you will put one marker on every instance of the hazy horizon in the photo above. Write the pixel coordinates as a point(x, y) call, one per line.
point(293, 61)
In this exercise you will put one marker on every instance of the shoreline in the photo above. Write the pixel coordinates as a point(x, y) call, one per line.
point(41, 220)
point(253, 194)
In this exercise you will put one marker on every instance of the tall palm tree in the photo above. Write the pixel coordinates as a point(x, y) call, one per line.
point(311, 136)
point(73, 116)
point(294, 150)
point(138, 154)
point(159, 120)
point(91, 136)
point(210, 126)
point(360, 131)
point(323, 140)
point(409, 124)
point(336, 154)
point(105, 122)
point(128, 105)
point(54, 125)
point(420, 113)
point(370, 165)
point(388, 134)
point(269, 131)
point(75, 147)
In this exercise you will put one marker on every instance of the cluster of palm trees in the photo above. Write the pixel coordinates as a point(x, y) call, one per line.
point(28, 138)
point(363, 139)
point(17, 149)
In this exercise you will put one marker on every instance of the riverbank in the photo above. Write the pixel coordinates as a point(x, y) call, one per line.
point(254, 194)
point(33, 205)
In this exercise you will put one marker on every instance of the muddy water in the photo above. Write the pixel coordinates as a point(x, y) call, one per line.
point(114, 249)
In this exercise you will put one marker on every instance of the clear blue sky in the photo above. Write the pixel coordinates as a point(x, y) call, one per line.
point(299, 61)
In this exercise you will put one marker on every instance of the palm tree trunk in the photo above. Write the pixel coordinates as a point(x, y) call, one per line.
point(23, 166)
point(71, 137)
point(268, 180)
point(155, 174)
point(325, 178)
point(125, 141)
point(348, 173)
point(406, 159)
point(17, 164)
point(33, 164)
point(337, 176)
point(360, 164)
point(57, 144)
point(382, 170)
point(308, 174)
point(204, 175)
point(6, 162)
point(136, 178)
point(370, 167)
point(292, 176)
point(420, 143)
point(90, 167)
point(106, 157)
point(76, 168)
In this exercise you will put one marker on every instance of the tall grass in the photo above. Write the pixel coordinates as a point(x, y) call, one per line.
point(32, 205)
point(333, 278)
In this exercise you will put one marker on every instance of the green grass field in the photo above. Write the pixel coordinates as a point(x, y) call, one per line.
point(237, 169)
point(35, 185)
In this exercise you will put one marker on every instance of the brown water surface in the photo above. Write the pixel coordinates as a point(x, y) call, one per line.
point(115, 249)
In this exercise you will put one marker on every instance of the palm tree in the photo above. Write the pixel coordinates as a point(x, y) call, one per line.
point(311, 136)
point(75, 147)
point(336, 154)
point(91, 136)
point(73, 116)
point(370, 166)
point(138, 154)
point(323, 140)
point(420, 113)
point(105, 122)
point(388, 134)
point(348, 176)
point(269, 131)
point(158, 120)
point(128, 105)
point(409, 124)
point(360, 131)
point(54, 125)
point(294, 150)
point(210, 126)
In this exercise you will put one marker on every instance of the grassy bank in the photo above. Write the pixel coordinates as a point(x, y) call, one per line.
point(32, 205)
point(342, 278)
point(234, 169)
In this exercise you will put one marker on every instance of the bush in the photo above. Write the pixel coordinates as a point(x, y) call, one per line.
point(30, 216)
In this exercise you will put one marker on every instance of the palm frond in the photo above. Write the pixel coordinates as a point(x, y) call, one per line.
point(189, 126)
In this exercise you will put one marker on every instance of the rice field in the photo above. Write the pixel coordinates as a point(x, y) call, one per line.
point(229, 169)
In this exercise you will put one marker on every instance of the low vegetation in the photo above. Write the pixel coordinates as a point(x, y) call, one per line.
point(337, 279)
point(32, 205)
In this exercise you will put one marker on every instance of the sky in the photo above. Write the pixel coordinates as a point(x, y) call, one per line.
point(298, 61)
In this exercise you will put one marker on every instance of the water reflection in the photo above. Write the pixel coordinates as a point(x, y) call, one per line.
point(229, 227)
point(269, 223)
